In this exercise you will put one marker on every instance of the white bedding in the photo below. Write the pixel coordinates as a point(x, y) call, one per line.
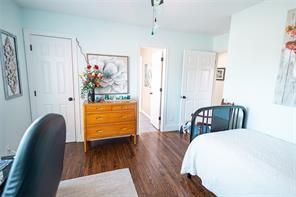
point(243, 163)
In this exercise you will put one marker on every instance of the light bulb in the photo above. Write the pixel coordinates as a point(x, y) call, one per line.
point(156, 2)
point(156, 26)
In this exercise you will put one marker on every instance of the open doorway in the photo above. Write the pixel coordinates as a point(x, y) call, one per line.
point(220, 77)
point(151, 82)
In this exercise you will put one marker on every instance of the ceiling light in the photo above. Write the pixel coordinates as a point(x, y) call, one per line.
point(155, 5)
point(156, 2)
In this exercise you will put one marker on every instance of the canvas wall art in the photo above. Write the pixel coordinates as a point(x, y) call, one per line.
point(285, 91)
point(147, 75)
point(115, 73)
point(9, 65)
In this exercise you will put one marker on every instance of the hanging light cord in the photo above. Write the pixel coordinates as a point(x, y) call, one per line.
point(155, 6)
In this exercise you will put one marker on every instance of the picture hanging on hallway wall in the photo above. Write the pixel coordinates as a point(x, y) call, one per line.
point(115, 73)
point(220, 74)
point(285, 93)
point(9, 65)
point(147, 75)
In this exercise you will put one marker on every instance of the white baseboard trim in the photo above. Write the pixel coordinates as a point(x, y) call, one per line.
point(80, 140)
point(145, 114)
point(171, 128)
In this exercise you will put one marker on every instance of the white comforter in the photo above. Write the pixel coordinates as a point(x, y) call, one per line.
point(243, 163)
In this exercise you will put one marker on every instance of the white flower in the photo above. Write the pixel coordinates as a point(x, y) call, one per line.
point(114, 75)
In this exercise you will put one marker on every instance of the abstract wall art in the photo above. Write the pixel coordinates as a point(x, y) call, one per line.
point(147, 75)
point(9, 64)
point(285, 91)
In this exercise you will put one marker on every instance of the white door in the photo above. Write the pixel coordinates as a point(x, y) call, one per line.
point(156, 83)
point(51, 79)
point(197, 82)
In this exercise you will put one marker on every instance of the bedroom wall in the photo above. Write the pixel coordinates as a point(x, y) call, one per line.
point(220, 43)
point(113, 38)
point(15, 113)
point(256, 38)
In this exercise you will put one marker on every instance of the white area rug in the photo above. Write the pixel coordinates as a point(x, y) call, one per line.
point(113, 183)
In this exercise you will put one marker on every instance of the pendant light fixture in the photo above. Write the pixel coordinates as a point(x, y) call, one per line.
point(156, 6)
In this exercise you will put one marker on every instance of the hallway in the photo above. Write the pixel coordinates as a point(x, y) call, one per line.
point(145, 125)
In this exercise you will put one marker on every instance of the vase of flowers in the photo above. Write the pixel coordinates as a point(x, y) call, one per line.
point(91, 79)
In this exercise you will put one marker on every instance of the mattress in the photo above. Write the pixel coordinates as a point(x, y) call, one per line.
point(238, 163)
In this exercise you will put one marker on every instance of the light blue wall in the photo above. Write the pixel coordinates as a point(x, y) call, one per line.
point(14, 113)
point(112, 38)
point(220, 43)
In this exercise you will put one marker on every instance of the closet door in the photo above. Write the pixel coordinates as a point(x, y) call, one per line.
point(197, 82)
point(51, 79)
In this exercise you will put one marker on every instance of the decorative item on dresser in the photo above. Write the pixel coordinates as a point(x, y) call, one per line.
point(109, 119)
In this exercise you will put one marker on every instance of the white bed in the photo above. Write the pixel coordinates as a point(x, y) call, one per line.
point(239, 163)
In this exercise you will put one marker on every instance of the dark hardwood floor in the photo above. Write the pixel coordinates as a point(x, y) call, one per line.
point(154, 163)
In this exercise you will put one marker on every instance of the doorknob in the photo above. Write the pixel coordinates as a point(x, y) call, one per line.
point(151, 93)
point(183, 97)
point(70, 99)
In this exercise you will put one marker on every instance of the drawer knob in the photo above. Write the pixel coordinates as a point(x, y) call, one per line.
point(99, 131)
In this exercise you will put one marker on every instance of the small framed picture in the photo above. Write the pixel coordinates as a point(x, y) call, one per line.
point(220, 74)
point(9, 64)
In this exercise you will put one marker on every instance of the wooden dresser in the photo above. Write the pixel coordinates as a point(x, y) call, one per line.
point(109, 119)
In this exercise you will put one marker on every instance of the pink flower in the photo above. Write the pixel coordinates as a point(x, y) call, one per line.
point(96, 67)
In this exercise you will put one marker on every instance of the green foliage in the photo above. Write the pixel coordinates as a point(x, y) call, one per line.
point(91, 79)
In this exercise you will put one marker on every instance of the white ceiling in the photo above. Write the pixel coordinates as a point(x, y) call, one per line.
point(198, 16)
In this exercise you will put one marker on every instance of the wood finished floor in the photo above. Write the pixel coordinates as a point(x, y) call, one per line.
point(154, 163)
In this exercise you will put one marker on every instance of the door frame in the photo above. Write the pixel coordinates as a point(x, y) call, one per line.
point(183, 68)
point(75, 72)
point(163, 102)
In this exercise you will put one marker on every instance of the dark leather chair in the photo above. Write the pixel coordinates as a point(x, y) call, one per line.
point(38, 164)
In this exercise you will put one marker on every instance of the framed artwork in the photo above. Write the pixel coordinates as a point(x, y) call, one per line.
point(115, 73)
point(9, 65)
point(220, 74)
point(285, 93)
point(147, 75)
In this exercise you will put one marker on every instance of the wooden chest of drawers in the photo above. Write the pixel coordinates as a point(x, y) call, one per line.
point(109, 119)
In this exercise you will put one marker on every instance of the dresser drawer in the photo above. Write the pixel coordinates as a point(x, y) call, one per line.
point(97, 108)
point(100, 108)
point(103, 131)
point(123, 107)
point(110, 117)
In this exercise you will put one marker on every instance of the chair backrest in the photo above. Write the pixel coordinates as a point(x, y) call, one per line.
point(217, 118)
point(38, 163)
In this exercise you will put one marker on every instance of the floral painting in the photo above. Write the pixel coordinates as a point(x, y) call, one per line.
point(9, 64)
point(115, 73)
point(285, 92)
